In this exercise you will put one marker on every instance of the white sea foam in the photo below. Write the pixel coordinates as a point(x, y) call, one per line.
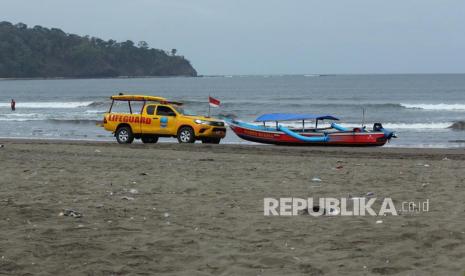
point(440, 106)
point(439, 125)
point(50, 116)
point(47, 104)
point(19, 114)
point(95, 111)
point(20, 119)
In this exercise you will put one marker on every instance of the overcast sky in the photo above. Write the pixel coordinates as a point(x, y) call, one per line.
point(272, 36)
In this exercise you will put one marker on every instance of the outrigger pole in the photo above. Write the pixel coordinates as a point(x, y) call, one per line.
point(363, 116)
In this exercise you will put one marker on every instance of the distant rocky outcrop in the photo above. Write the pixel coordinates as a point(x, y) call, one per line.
point(459, 125)
point(40, 52)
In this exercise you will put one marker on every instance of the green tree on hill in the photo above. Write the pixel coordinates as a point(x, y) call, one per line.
point(42, 52)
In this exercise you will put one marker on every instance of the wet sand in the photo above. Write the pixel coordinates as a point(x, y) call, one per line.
point(169, 209)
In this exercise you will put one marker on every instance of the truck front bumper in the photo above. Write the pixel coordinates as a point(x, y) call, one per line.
point(211, 132)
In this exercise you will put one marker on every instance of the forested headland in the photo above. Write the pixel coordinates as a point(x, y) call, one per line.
point(39, 52)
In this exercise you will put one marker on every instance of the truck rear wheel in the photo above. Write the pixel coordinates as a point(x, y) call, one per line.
point(124, 135)
point(152, 139)
point(186, 135)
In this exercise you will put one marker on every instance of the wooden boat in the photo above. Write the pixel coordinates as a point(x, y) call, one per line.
point(335, 135)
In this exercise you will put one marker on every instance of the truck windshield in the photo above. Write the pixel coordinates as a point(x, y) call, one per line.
point(184, 111)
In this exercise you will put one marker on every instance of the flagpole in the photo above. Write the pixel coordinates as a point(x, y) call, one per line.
point(209, 107)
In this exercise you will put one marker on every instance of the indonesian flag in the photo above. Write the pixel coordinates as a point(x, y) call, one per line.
point(213, 102)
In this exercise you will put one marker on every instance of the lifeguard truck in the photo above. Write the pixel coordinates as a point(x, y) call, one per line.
point(149, 117)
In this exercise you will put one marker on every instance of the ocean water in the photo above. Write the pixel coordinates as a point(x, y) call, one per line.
point(419, 107)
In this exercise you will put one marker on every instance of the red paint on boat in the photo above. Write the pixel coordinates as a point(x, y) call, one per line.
point(343, 138)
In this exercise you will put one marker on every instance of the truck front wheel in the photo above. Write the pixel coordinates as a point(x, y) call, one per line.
point(124, 135)
point(186, 135)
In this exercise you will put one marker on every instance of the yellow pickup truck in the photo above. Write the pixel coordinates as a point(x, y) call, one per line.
point(150, 117)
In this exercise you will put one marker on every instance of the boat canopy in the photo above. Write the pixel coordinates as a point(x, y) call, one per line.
point(272, 117)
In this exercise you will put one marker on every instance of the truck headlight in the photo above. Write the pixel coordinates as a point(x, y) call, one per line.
point(197, 121)
point(210, 123)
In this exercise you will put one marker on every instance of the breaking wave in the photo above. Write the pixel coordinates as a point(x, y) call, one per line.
point(291, 101)
point(56, 121)
point(459, 125)
point(99, 104)
point(20, 119)
point(74, 121)
point(48, 104)
point(94, 111)
point(50, 117)
point(440, 125)
point(441, 106)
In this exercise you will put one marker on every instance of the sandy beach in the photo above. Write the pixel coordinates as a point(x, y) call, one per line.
point(169, 209)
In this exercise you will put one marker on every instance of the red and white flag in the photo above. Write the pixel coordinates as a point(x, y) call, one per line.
point(213, 102)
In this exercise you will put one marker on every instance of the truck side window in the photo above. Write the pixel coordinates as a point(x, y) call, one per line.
point(165, 111)
point(150, 110)
point(136, 107)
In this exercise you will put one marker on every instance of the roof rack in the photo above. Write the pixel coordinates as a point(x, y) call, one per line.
point(123, 97)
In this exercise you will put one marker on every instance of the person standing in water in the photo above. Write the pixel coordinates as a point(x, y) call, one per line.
point(13, 105)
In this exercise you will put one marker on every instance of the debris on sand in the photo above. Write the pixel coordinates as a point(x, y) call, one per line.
point(1, 146)
point(133, 191)
point(207, 159)
point(166, 215)
point(71, 213)
point(370, 194)
point(339, 167)
point(97, 151)
point(319, 210)
point(333, 212)
point(316, 179)
point(379, 221)
point(143, 173)
point(127, 198)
